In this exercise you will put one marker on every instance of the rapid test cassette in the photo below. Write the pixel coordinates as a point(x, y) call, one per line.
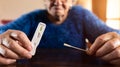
point(37, 36)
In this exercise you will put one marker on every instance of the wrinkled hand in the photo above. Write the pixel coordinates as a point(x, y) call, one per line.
point(107, 47)
point(14, 45)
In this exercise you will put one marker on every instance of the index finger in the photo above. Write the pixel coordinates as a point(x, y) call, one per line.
point(22, 38)
point(100, 41)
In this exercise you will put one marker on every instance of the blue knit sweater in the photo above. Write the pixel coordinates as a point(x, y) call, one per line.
point(80, 24)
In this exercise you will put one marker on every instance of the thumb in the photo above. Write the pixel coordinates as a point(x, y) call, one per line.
point(88, 45)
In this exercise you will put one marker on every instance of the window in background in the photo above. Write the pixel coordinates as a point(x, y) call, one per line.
point(113, 13)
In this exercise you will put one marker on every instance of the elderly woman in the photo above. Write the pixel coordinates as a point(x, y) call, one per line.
point(64, 24)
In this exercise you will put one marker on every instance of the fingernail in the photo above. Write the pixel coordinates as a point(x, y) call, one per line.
point(5, 42)
point(14, 35)
point(2, 51)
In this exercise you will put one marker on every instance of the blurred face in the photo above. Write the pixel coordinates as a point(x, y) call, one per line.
point(58, 8)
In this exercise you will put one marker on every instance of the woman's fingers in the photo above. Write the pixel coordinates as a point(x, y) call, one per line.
point(98, 43)
point(116, 61)
point(115, 54)
point(108, 47)
point(6, 60)
point(16, 44)
point(22, 38)
point(15, 47)
point(101, 41)
point(7, 53)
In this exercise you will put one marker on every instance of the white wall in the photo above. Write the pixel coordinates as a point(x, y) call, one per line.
point(113, 13)
point(11, 9)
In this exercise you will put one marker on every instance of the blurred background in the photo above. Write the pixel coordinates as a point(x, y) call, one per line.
point(106, 10)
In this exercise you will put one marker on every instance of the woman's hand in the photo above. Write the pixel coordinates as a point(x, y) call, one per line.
point(107, 47)
point(14, 45)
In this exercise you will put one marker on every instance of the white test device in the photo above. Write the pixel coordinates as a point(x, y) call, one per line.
point(37, 37)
